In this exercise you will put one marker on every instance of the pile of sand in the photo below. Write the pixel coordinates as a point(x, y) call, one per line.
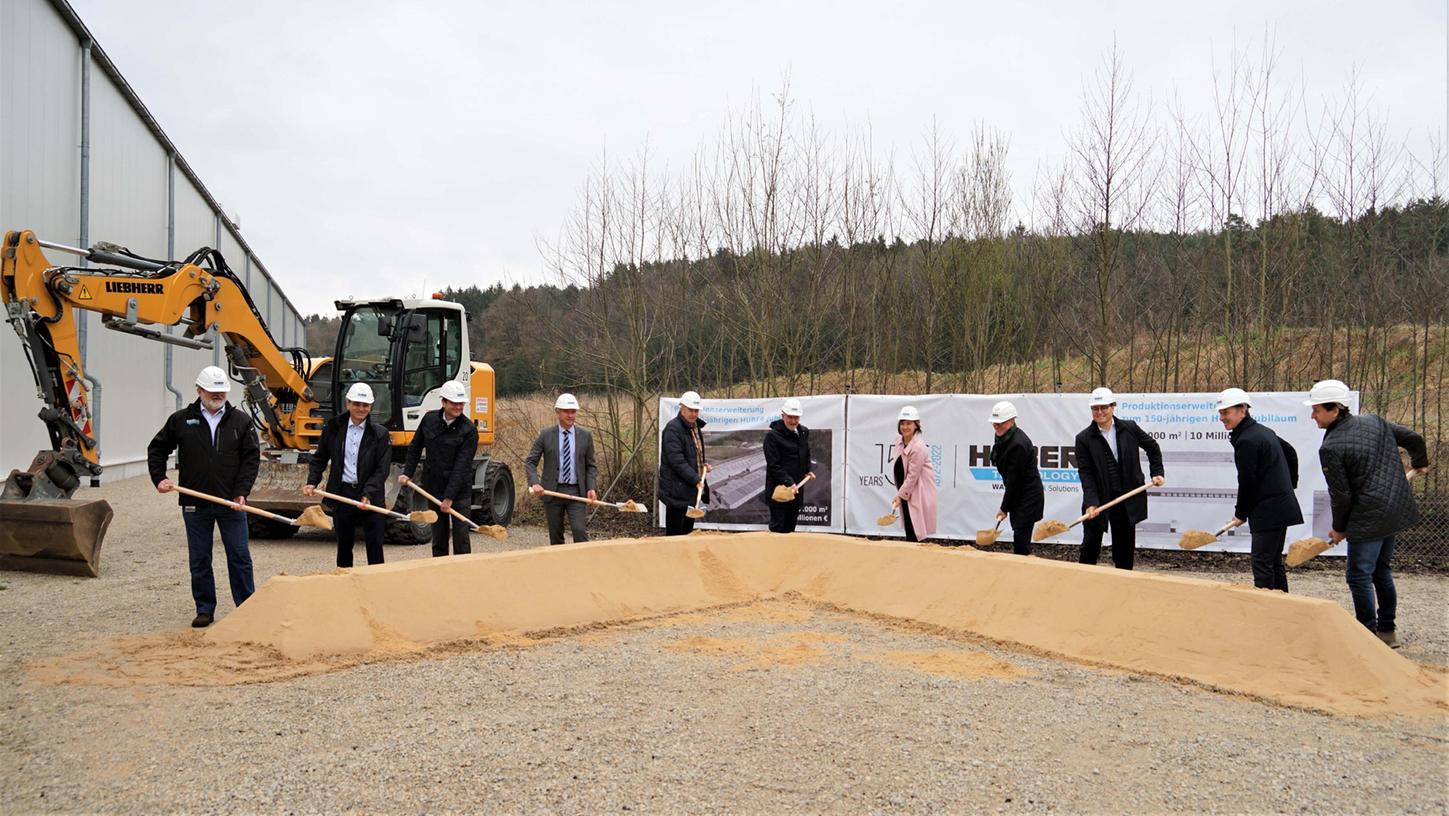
point(1049, 528)
point(1301, 551)
point(1285, 648)
point(1192, 539)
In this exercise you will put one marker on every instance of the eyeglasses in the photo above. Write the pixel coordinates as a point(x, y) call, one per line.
point(1098, 409)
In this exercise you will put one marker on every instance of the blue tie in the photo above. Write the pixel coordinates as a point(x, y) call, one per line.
point(566, 461)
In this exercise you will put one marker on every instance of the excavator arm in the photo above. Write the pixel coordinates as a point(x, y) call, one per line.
point(206, 301)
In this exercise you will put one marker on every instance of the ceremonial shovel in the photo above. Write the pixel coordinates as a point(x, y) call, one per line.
point(311, 517)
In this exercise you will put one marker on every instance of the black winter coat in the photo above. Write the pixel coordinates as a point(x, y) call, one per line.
point(227, 468)
point(374, 459)
point(1370, 497)
point(448, 463)
point(1267, 473)
point(1014, 457)
point(787, 458)
point(1094, 465)
point(679, 461)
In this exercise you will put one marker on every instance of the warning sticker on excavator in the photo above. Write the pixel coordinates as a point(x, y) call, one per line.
point(85, 293)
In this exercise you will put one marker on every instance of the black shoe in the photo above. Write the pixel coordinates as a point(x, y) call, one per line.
point(201, 621)
point(1389, 639)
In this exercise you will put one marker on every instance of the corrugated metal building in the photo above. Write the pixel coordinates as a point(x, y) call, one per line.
point(82, 160)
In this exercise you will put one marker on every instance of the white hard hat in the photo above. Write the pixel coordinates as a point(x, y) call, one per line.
point(691, 399)
point(454, 391)
point(214, 380)
point(1102, 396)
point(1328, 392)
point(1002, 411)
point(566, 402)
point(1233, 396)
point(792, 407)
point(360, 392)
point(909, 414)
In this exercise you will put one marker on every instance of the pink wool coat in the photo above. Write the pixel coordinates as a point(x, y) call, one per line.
point(919, 488)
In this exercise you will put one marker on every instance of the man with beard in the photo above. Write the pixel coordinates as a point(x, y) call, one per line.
point(217, 453)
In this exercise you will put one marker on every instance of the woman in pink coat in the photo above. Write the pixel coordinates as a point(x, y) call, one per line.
point(915, 476)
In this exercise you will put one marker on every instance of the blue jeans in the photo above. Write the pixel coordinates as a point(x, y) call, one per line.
point(1369, 572)
point(233, 527)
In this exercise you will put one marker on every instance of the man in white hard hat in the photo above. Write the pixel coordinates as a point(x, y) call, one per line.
point(445, 441)
point(1109, 462)
point(1014, 457)
point(567, 452)
point(1368, 490)
point(787, 460)
point(359, 450)
point(683, 465)
point(216, 453)
point(1267, 473)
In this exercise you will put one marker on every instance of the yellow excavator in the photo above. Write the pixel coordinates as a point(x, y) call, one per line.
point(405, 349)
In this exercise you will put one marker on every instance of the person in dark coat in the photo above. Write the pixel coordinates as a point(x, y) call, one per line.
point(566, 452)
point(217, 453)
point(1370, 496)
point(682, 465)
point(787, 460)
point(359, 451)
point(1014, 457)
point(1267, 473)
point(449, 439)
point(1109, 463)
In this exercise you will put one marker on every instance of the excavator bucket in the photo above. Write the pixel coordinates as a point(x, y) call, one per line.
point(42, 529)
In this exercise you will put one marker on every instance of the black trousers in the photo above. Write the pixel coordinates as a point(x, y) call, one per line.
point(1268, 569)
point(676, 522)
point(345, 521)
point(1124, 540)
point(906, 521)
point(1021, 537)
point(784, 515)
point(448, 527)
point(554, 511)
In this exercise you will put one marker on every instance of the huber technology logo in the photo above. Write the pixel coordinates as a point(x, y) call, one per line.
point(1056, 463)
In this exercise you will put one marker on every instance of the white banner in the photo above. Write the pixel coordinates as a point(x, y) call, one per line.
point(1201, 481)
point(734, 435)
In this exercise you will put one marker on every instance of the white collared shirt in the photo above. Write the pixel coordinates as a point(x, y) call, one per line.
point(1111, 436)
point(350, 449)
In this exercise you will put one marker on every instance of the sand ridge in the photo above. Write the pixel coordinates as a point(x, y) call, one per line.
point(1288, 649)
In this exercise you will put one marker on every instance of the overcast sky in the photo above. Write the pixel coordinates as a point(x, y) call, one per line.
point(375, 148)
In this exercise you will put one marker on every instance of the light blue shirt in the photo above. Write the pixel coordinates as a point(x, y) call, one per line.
point(213, 419)
point(573, 455)
point(350, 449)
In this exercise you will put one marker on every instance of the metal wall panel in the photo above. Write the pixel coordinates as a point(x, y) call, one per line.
point(128, 207)
point(40, 182)
point(39, 179)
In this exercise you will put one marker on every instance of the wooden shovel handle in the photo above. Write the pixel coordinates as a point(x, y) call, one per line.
point(1142, 488)
point(355, 503)
point(584, 499)
point(434, 499)
point(256, 511)
point(699, 493)
point(802, 482)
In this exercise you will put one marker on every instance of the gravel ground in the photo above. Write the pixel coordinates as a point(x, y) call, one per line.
point(766, 709)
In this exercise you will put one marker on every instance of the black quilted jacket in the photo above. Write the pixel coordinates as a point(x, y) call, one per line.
point(1371, 498)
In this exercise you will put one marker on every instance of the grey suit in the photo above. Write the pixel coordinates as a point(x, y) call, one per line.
point(586, 478)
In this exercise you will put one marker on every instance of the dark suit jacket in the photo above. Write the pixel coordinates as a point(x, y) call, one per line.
point(545, 447)
point(1093, 457)
point(374, 459)
point(448, 463)
point(1267, 473)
